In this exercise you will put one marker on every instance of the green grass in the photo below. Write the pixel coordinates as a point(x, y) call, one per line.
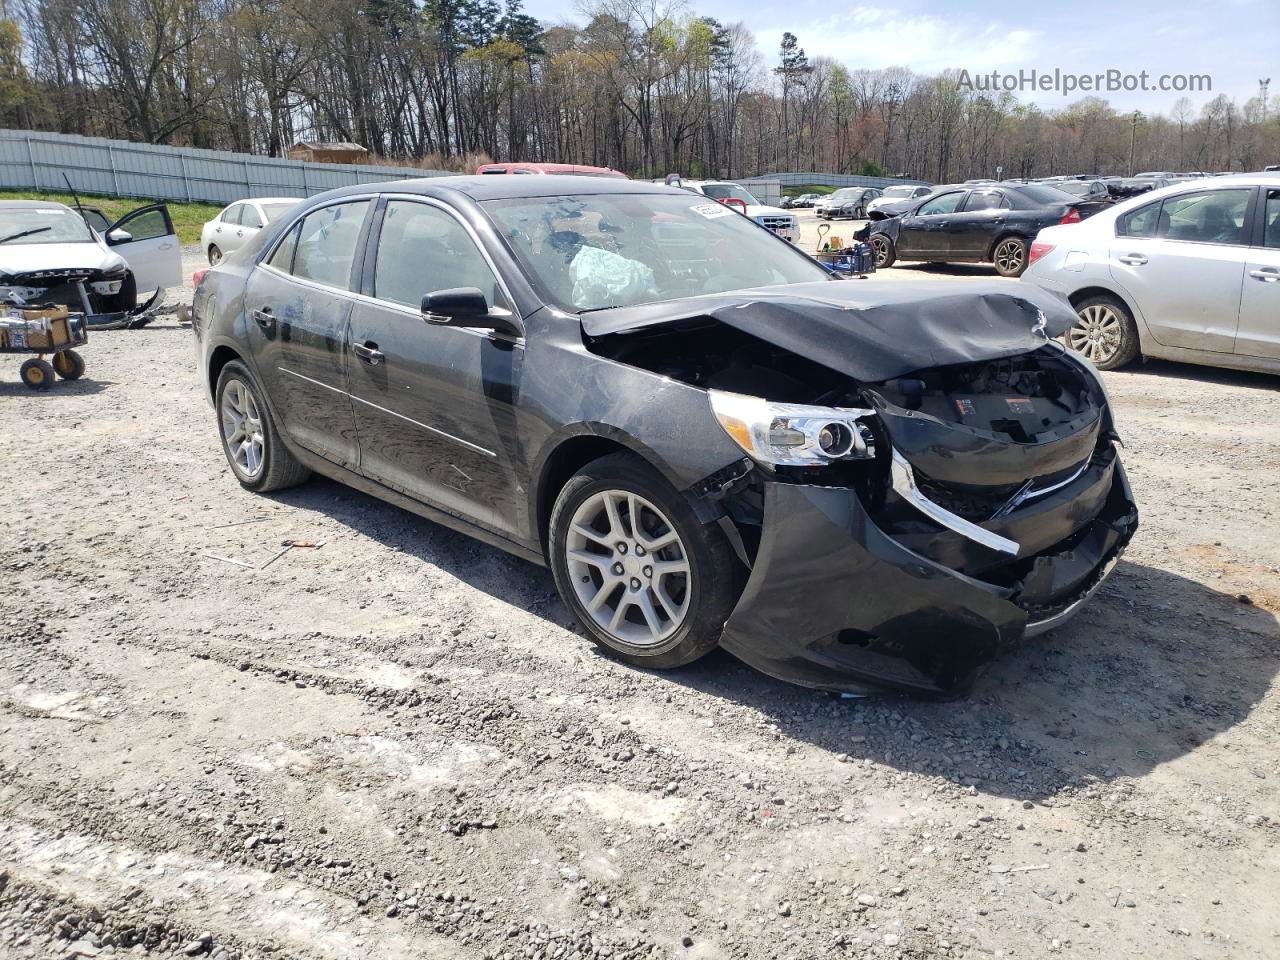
point(188, 218)
point(818, 188)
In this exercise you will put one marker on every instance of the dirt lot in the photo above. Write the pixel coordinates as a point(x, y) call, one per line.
point(397, 745)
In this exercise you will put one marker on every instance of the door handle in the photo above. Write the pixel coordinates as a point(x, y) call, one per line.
point(263, 318)
point(1266, 274)
point(368, 352)
point(1134, 259)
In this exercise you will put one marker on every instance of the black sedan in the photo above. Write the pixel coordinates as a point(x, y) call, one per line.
point(984, 223)
point(707, 438)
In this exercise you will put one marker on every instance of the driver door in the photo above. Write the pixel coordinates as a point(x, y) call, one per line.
point(149, 244)
point(923, 235)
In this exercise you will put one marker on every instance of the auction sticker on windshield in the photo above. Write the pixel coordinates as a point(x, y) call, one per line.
point(711, 210)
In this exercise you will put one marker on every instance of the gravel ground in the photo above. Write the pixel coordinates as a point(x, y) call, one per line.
point(397, 744)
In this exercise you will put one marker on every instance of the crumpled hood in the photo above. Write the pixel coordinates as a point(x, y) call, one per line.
point(18, 258)
point(867, 329)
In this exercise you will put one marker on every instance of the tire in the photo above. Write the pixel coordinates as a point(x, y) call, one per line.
point(68, 364)
point(1009, 256)
point(688, 608)
point(1105, 333)
point(37, 374)
point(267, 463)
point(215, 254)
point(884, 250)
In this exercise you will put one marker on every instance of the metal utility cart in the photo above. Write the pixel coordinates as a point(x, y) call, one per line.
point(44, 331)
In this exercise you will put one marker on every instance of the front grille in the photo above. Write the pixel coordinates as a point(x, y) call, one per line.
point(777, 223)
point(978, 507)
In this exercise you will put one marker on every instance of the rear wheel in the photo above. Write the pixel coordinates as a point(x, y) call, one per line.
point(1010, 257)
point(68, 364)
point(1104, 333)
point(882, 246)
point(650, 583)
point(250, 437)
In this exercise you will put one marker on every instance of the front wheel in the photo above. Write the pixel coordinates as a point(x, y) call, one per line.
point(215, 255)
point(250, 438)
point(1010, 257)
point(68, 364)
point(37, 374)
point(1104, 333)
point(882, 246)
point(650, 583)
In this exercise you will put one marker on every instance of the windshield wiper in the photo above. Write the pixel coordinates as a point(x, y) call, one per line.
point(24, 233)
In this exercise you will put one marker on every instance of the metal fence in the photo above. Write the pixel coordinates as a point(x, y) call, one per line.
point(30, 160)
point(36, 161)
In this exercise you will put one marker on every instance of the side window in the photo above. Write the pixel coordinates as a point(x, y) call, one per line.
point(423, 249)
point(147, 226)
point(231, 215)
point(984, 200)
point(249, 216)
point(1212, 216)
point(327, 244)
point(282, 257)
point(1271, 221)
point(1140, 222)
point(97, 220)
point(947, 203)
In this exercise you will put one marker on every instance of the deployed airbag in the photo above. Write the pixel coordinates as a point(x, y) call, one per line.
point(868, 330)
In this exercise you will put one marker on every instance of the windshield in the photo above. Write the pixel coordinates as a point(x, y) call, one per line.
point(42, 225)
point(729, 191)
point(847, 193)
point(275, 211)
point(593, 252)
point(898, 192)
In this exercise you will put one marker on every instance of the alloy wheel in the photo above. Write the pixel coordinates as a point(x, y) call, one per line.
point(1097, 333)
point(881, 248)
point(629, 568)
point(1009, 256)
point(242, 428)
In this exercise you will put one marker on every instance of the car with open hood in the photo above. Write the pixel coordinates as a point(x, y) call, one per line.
point(79, 259)
point(707, 438)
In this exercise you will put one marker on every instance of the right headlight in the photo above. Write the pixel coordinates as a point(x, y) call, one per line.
point(792, 434)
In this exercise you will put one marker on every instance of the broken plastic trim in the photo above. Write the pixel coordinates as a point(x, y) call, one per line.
point(904, 484)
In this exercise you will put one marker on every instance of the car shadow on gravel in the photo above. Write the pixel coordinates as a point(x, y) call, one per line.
point(1205, 374)
point(1154, 668)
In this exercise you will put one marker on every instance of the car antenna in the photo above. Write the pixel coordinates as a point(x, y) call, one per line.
point(75, 196)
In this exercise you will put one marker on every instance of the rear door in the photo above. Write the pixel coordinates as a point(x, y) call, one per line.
point(922, 235)
point(434, 405)
point(1182, 260)
point(298, 302)
point(1259, 331)
point(149, 244)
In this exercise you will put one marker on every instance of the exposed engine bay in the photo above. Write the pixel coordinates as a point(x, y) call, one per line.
point(89, 291)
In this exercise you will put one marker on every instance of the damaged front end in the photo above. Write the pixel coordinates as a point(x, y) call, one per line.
point(903, 523)
point(107, 296)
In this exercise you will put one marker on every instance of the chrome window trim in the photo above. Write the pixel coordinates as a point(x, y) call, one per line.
point(483, 332)
point(904, 484)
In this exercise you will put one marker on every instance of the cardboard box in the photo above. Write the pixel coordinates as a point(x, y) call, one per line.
point(29, 329)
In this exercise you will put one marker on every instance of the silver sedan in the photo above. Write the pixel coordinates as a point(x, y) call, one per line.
point(1190, 272)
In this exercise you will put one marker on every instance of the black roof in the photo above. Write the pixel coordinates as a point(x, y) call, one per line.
point(510, 186)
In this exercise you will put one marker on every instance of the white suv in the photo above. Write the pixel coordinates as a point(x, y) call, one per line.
point(781, 222)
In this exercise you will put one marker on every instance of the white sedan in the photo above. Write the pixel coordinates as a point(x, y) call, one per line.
point(1190, 272)
point(236, 224)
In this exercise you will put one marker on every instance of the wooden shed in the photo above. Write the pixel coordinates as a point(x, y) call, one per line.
point(339, 152)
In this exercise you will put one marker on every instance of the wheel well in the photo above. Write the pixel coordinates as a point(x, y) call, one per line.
point(1080, 296)
point(566, 460)
point(991, 250)
point(222, 355)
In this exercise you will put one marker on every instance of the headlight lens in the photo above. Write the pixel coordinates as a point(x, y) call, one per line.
point(791, 434)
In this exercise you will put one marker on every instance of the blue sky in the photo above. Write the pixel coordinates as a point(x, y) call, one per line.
point(1236, 42)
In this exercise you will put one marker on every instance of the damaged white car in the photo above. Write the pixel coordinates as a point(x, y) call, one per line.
point(113, 273)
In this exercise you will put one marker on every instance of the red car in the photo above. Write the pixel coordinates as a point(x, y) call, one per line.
point(574, 169)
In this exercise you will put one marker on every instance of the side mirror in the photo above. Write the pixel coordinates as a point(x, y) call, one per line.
point(466, 307)
point(119, 236)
